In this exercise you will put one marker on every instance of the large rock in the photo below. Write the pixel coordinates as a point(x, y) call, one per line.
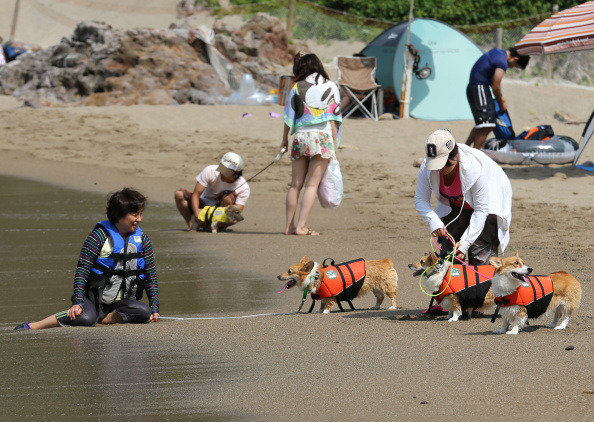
point(101, 65)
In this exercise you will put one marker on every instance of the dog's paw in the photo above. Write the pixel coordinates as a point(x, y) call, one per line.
point(501, 331)
point(559, 327)
point(392, 308)
point(453, 319)
point(376, 308)
point(326, 311)
point(513, 331)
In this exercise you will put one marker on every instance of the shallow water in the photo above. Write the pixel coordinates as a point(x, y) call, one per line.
point(63, 373)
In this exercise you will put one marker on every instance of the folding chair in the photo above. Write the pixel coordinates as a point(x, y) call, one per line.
point(356, 75)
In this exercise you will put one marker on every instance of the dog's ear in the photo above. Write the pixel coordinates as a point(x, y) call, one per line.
point(496, 262)
point(517, 254)
point(307, 267)
point(304, 260)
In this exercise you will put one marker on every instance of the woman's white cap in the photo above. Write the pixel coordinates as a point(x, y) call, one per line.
point(230, 163)
point(437, 147)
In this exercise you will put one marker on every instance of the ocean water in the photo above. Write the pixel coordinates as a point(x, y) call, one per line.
point(66, 373)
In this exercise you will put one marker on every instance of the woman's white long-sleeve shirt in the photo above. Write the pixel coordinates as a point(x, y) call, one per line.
point(486, 188)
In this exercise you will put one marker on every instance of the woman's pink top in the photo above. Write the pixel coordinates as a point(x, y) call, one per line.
point(453, 192)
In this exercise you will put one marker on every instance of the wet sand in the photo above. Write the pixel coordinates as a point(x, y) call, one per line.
point(362, 364)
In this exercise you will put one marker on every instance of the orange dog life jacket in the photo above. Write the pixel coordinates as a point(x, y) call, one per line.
point(341, 281)
point(470, 286)
point(535, 298)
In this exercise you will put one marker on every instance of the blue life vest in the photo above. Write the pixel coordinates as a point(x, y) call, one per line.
point(121, 271)
point(503, 125)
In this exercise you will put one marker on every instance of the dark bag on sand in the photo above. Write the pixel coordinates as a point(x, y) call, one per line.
point(538, 133)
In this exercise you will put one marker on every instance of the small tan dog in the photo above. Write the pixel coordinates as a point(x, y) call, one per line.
point(457, 294)
point(380, 278)
point(217, 218)
point(511, 285)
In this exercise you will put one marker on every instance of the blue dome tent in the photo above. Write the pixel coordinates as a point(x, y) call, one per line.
point(439, 92)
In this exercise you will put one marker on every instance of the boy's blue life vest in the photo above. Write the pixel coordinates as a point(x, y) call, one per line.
point(503, 125)
point(121, 274)
point(470, 286)
point(535, 298)
point(342, 281)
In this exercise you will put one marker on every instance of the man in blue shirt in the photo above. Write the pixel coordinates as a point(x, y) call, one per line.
point(486, 75)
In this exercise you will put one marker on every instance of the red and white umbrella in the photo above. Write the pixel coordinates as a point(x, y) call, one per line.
point(569, 30)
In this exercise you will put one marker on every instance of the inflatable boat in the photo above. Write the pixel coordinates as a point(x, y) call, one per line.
point(557, 149)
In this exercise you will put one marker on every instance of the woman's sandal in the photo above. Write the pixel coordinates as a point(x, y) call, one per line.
point(309, 233)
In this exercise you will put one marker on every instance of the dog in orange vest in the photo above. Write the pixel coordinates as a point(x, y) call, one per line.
point(521, 296)
point(457, 288)
point(329, 283)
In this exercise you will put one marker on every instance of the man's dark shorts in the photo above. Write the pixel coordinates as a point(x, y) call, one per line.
point(482, 105)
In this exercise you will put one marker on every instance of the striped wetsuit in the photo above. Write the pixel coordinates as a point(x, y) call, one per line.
point(88, 255)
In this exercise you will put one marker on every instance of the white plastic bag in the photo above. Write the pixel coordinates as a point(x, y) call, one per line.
point(331, 187)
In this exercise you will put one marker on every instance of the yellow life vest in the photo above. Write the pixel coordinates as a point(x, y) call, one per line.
point(212, 214)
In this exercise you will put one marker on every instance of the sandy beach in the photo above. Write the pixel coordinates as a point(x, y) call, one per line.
point(359, 365)
point(381, 364)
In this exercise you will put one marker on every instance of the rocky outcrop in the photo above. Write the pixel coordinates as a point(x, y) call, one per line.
point(101, 65)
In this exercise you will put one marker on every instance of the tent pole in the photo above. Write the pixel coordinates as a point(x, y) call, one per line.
point(407, 74)
point(15, 16)
point(290, 18)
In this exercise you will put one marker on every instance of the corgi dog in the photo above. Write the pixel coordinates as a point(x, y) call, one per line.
point(561, 294)
point(455, 295)
point(379, 277)
point(220, 218)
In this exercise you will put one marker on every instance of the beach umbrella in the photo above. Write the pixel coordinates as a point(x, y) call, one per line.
point(569, 30)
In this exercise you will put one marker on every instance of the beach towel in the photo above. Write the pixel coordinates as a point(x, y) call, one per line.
point(585, 167)
point(312, 103)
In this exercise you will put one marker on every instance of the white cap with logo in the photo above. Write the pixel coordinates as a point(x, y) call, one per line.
point(230, 164)
point(437, 147)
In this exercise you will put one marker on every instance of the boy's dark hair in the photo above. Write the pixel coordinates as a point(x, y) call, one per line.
point(522, 60)
point(306, 64)
point(124, 202)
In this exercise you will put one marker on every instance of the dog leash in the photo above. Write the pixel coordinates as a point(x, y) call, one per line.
point(454, 254)
point(438, 266)
point(226, 317)
point(454, 243)
point(278, 157)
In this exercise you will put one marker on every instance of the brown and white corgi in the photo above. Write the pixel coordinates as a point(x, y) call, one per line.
point(475, 293)
point(518, 293)
point(380, 278)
